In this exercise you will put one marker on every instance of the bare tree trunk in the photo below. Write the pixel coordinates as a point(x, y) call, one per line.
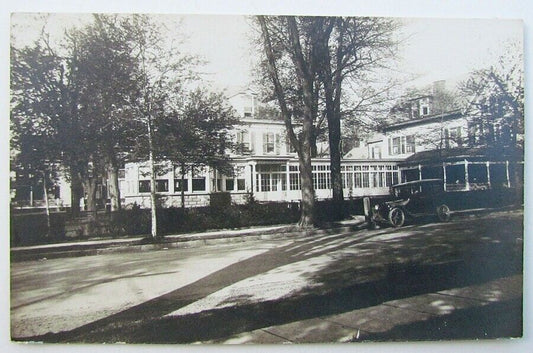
point(89, 186)
point(76, 192)
point(308, 192)
point(335, 167)
point(153, 196)
point(182, 167)
point(303, 149)
point(334, 136)
point(332, 90)
point(113, 185)
point(305, 72)
point(47, 205)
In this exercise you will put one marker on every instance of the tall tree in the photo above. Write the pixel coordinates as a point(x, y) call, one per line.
point(495, 102)
point(348, 49)
point(323, 55)
point(106, 70)
point(162, 71)
point(282, 42)
point(197, 134)
point(44, 103)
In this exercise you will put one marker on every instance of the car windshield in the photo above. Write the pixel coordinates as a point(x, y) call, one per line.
point(403, 191)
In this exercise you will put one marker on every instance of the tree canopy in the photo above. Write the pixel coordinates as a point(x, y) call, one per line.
point(495, 101)
point(308, 62)
point(96, 99)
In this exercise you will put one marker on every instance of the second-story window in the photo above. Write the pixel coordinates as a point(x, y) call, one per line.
point(376, 152)
point(268, 142)
point(289, 147)
point(243, 141)
point(396, 145)
point(410, 144)
point(401, 145)
point(455, 136)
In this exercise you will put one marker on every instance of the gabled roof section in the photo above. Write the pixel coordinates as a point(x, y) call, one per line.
point(235, 91)
point(425, 120)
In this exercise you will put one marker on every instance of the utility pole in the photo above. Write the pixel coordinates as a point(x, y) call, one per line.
point(152, 176)
point(47, 205)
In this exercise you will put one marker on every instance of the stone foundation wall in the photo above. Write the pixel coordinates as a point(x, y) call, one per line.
point(191, 200)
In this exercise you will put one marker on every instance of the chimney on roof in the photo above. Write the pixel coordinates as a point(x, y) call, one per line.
point(438, 87)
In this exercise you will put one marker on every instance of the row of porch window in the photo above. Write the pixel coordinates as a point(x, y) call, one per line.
point(198, 185)
point(322, 180)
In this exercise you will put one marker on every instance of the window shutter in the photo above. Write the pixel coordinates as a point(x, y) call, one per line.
point(252, 141)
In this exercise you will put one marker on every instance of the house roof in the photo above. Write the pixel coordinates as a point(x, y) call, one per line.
point(236, 90)
point(420, 121)
point(468, 153)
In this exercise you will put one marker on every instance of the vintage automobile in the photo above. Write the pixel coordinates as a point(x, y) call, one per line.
point(411, 200)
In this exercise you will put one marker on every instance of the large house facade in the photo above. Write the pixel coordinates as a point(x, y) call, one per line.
point(447, 146)
point(265, 167)
point(423, 146)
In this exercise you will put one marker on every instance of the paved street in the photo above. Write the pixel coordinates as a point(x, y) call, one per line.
point(462, 279)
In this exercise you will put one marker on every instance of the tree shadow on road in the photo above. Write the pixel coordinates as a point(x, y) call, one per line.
point(364, 269)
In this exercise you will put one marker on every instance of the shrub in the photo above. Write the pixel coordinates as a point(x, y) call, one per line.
point(219, 200)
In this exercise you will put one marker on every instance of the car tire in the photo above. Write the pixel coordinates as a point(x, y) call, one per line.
point(443, 213)
point(396, 217)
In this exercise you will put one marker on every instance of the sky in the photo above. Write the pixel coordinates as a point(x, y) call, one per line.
point(432, 49)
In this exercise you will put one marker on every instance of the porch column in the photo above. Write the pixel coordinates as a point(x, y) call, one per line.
point(214, 187)
point(252, 177)
point(507, 174)
point(190, 175)
point(287, 177)
point(467, 182)
point(172, 178)
point(444, 174)
point(352, 176)
point(488, 174)
point(419, 172)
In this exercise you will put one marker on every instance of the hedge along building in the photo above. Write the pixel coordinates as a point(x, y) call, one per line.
point(264, 165)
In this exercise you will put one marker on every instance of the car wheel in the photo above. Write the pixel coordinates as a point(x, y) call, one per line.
point(396, 217)
point(443, 213)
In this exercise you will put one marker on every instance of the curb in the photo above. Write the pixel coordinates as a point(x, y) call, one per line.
point(170, 242)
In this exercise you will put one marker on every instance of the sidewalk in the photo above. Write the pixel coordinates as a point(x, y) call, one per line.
point(473, 312)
